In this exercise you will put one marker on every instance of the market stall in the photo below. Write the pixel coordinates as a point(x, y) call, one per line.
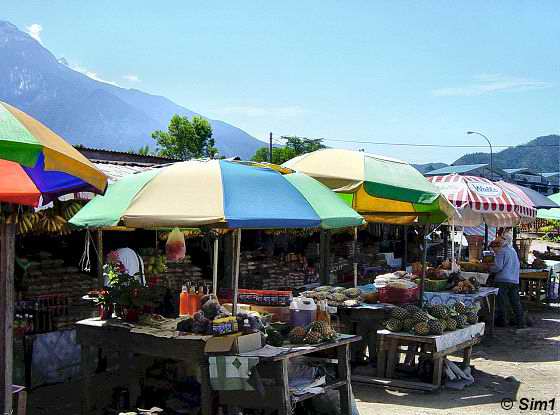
point(37, 166)
point(225, 195)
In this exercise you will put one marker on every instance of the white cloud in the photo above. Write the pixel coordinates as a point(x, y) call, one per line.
point(131, 78)
point(91, 74)
point(490, 83)
point(34, 31)
point(254, 111)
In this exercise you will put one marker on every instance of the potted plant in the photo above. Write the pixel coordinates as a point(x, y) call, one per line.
point(105, 304)
point(127, 293)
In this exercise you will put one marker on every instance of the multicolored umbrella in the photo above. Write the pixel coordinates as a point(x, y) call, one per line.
point(479, 200)
point(217, 193)
point(382, 189)
point(37, 165)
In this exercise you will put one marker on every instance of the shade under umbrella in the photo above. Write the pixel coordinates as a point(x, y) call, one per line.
point(38, 165)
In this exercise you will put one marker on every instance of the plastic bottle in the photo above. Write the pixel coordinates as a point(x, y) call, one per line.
point(184, 302)
point(193, 299)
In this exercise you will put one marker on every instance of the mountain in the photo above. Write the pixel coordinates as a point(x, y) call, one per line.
point(541, 155)
point(88, 112)
point(425, 168)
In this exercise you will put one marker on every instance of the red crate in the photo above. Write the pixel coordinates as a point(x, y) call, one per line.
point(392, 295)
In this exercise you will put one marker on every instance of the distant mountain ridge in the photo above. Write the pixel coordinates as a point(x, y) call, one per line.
point(88, 112)
point(541, 155)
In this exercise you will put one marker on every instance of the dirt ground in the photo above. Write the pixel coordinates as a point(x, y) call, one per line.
point(511, 365)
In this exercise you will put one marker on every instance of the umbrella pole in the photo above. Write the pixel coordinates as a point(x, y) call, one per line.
point(100, 276)
point(236, 270)
point(354, 242)
point(215, 267)
point(452, 244)
point(424, 260)
point(7, 258)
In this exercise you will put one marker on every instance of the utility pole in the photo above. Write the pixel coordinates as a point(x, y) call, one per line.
point(270, 148)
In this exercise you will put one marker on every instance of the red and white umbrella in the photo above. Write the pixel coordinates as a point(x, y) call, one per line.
point(479, 200)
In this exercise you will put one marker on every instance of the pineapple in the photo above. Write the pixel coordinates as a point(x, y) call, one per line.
point(421, 329)
point(460, 307)
point(438, 311)
point(408, 324)
point(461, 321)
point(411, 308)
point(472, 318)
point(450, 324)
point(399, 313)
point(435, 326)
point(420, 316)
point(319, 326)
point(394, 325)
point(297, 335)
point(312, 338)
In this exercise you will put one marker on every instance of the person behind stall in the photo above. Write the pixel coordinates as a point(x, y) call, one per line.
point(506, 278)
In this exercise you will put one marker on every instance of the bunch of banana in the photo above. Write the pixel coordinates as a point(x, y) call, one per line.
point(26, 222)
point(52, 222)
point(70, 209)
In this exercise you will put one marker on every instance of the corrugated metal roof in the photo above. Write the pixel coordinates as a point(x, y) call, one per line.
point(556, 173)
point(511, 171)
point(117, 171)
point(455, 169)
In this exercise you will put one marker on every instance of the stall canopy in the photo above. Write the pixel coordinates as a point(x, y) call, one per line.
point(479, 200)
point(217, 193)
point(382, 189)
point(37, 165)
point(551, 214)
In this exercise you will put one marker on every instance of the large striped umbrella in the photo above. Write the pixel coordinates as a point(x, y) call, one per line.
point(479, 200)
point(382, 189)
point(37, 165)
point(217, 193)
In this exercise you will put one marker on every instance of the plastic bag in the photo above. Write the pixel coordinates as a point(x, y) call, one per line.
point(175, 248)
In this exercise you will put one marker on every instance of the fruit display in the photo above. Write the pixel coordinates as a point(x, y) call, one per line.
point(335, 296)
point(53, 220)
point(434, 320)
point(316, 332)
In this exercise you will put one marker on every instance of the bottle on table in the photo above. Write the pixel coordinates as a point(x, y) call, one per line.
point(184, 301)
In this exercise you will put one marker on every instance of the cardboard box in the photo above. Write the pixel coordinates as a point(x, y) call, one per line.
point(234, 343)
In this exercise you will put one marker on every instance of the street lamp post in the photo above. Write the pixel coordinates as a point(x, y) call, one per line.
point(491, 152)
point(491, 177)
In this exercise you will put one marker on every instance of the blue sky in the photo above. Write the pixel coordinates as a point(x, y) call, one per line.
point(384, 71)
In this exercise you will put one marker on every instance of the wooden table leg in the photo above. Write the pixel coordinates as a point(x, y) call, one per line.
point(381, 358)
point(467, 357)
point(206, 406)
point(438, 369)
point(492, 312)
point(286, 402)
point(22, 403)
point(343, 355)
point(86, 367)
point(392, 358)
point(372, 340)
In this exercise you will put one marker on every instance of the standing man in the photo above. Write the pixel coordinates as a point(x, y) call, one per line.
point(506, 270)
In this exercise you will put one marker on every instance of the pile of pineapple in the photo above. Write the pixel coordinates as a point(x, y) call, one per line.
point(317, 332)
point(433, 320)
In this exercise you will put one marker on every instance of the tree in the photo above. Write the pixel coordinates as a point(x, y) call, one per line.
point(294, 147)
point(186, 139)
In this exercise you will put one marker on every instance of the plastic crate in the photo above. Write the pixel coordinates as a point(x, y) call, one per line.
point(392, 295)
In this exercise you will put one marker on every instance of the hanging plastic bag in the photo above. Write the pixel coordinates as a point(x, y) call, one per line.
point(175, 248)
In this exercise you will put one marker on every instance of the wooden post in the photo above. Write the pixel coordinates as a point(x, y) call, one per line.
point(424, 260)
point(324, 251)
point(405, 253)
point(235, 282)
point(7, 258)
point(355, 256)
point(215, 267)
point(100, 259)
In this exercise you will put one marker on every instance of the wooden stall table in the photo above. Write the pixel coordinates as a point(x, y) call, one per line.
point(533, 284)
point(487, 294)
point(391, 345)
point(364, 320)
point(127, 339)
point(273, 371)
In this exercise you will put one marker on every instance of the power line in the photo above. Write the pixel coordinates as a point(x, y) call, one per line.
point(385, 143)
